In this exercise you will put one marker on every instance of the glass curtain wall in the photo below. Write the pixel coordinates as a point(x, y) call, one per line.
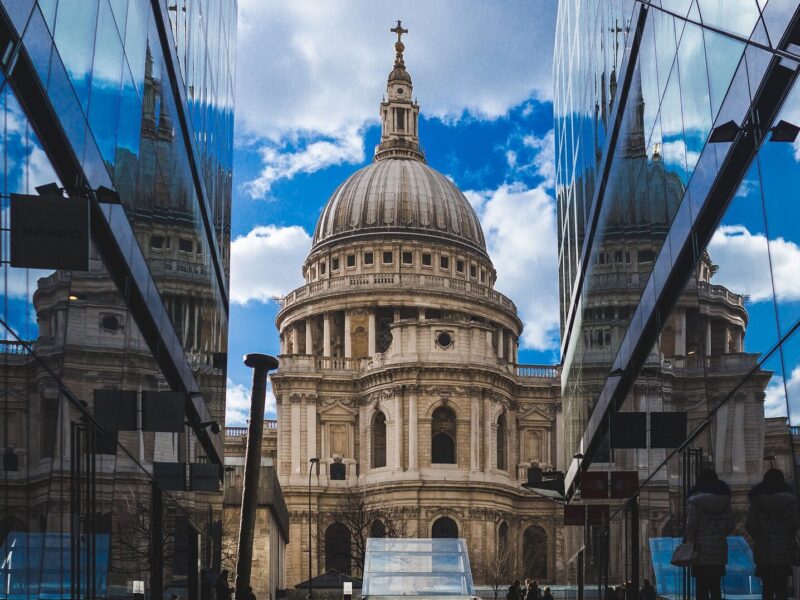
point(724, 353)
point(78, 509)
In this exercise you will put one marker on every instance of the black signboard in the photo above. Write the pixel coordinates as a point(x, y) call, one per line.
point(629, 430)
point(667, 429)
point(204, 477)
point(49, 232)
point(170, 477)
point(163, 411)
point(116, 409)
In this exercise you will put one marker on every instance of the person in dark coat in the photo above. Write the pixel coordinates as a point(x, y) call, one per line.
point(514, 592)
point(547, 595)
point(222, 588)
point(709, 521)
point(772, 522)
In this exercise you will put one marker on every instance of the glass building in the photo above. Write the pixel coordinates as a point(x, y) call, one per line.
point(112, 376)
point(677, 175)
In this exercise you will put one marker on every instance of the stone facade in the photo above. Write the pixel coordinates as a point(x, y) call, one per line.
point(399, 363)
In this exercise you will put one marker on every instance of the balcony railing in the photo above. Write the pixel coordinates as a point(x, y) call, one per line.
point(536, 371)
point(732, 361)
point(395, 281)
point(720, 291)
point(14, 347)
point(242, 431)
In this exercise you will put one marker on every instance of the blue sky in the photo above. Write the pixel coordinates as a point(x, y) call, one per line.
point(307, 119)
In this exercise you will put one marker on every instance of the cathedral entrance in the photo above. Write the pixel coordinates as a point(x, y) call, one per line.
point(534, 552)
point(444, 527)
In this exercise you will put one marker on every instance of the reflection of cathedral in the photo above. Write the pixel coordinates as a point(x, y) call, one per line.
point(399, 370)
point(698, 359)
point(87, 341)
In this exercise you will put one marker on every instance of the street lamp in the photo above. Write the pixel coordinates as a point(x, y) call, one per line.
point(311, 463)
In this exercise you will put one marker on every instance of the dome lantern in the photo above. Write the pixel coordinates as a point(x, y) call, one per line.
point(399, 113)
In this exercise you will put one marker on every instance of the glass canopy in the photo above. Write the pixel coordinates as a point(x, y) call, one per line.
point(417, 567)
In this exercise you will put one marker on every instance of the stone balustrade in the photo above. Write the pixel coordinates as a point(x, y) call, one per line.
point(242, 431)
point(400, 281)
point(536, 371)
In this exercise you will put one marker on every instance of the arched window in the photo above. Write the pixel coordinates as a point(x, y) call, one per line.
point(337, 549)
point(377, 529)
point(444, 527)
point(443, 436)
point(11, 524)
point(502, 539)
point(378, 440)
point(502, 433)
point(534, 552)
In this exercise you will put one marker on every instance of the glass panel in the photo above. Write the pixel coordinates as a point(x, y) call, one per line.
point(736, 16)
point(74, 37)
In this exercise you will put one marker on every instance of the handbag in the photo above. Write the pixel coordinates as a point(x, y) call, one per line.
point(684, 555)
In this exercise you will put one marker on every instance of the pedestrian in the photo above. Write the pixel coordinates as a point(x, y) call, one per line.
point(222, 587)
point(772, 522)
point(514, 592)
point(709, 520)
point(648, 591)
point(534, 593)
point(547, 595)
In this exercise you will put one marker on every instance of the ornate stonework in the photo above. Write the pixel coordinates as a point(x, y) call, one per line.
point(413, 357)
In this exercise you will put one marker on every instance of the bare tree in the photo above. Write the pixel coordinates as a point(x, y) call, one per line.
point(365, 514)
point(495, 570)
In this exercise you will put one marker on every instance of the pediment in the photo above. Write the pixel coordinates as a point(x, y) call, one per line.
point(534, 416)
point(337, 412)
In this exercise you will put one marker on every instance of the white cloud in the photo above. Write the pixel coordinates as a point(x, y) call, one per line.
point(520, 229)
point(745, 264)
point(775, 400)
point(267, 262)
point(676, 153)
point(544, 161)
point(347, 147)
point(237, 403)
point(310, 70)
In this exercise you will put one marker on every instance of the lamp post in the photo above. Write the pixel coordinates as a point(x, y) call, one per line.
point(311, 463)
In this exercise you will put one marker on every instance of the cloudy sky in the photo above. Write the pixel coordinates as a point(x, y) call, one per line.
point(310, 77)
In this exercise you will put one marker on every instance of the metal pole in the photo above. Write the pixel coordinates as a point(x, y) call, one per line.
point(634, 591)
point(312, 462)
point(157, 543)
point(261, 365)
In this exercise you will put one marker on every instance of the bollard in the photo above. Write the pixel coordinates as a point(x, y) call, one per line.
point(261, 365)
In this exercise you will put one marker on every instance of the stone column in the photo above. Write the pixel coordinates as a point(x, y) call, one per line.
point(738, 455)
point(487, 434)
point(559, 439)
point(500, 343)
point(295, 435)
point(373, 334)
point(326, 334)
point(311, 428)
point(475, 440)
point(708, 337)
point(413, 464)
point(680, 333)
point(296, 333)
point(309, 338)
point(398, 429)
point(282, 337)
point(348, 341)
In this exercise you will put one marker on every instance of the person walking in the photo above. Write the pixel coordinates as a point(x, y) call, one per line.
point(709, 520)
point(648, 592)
point(514, 592)
point(772, 522)
point(547, 595)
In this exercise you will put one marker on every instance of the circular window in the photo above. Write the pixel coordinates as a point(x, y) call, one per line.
point(444, 339)
point(110, 322)
point(399, 90)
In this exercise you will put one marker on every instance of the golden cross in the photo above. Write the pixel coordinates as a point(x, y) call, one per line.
point(399, 30)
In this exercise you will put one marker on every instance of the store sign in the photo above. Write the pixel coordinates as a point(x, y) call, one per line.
point(629, 430)
point(49, 232)
point(624, 483)
point(667, 429)
point(575, 515)
point(116, 409)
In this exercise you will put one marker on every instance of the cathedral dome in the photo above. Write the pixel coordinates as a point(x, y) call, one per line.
point(399, 196)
